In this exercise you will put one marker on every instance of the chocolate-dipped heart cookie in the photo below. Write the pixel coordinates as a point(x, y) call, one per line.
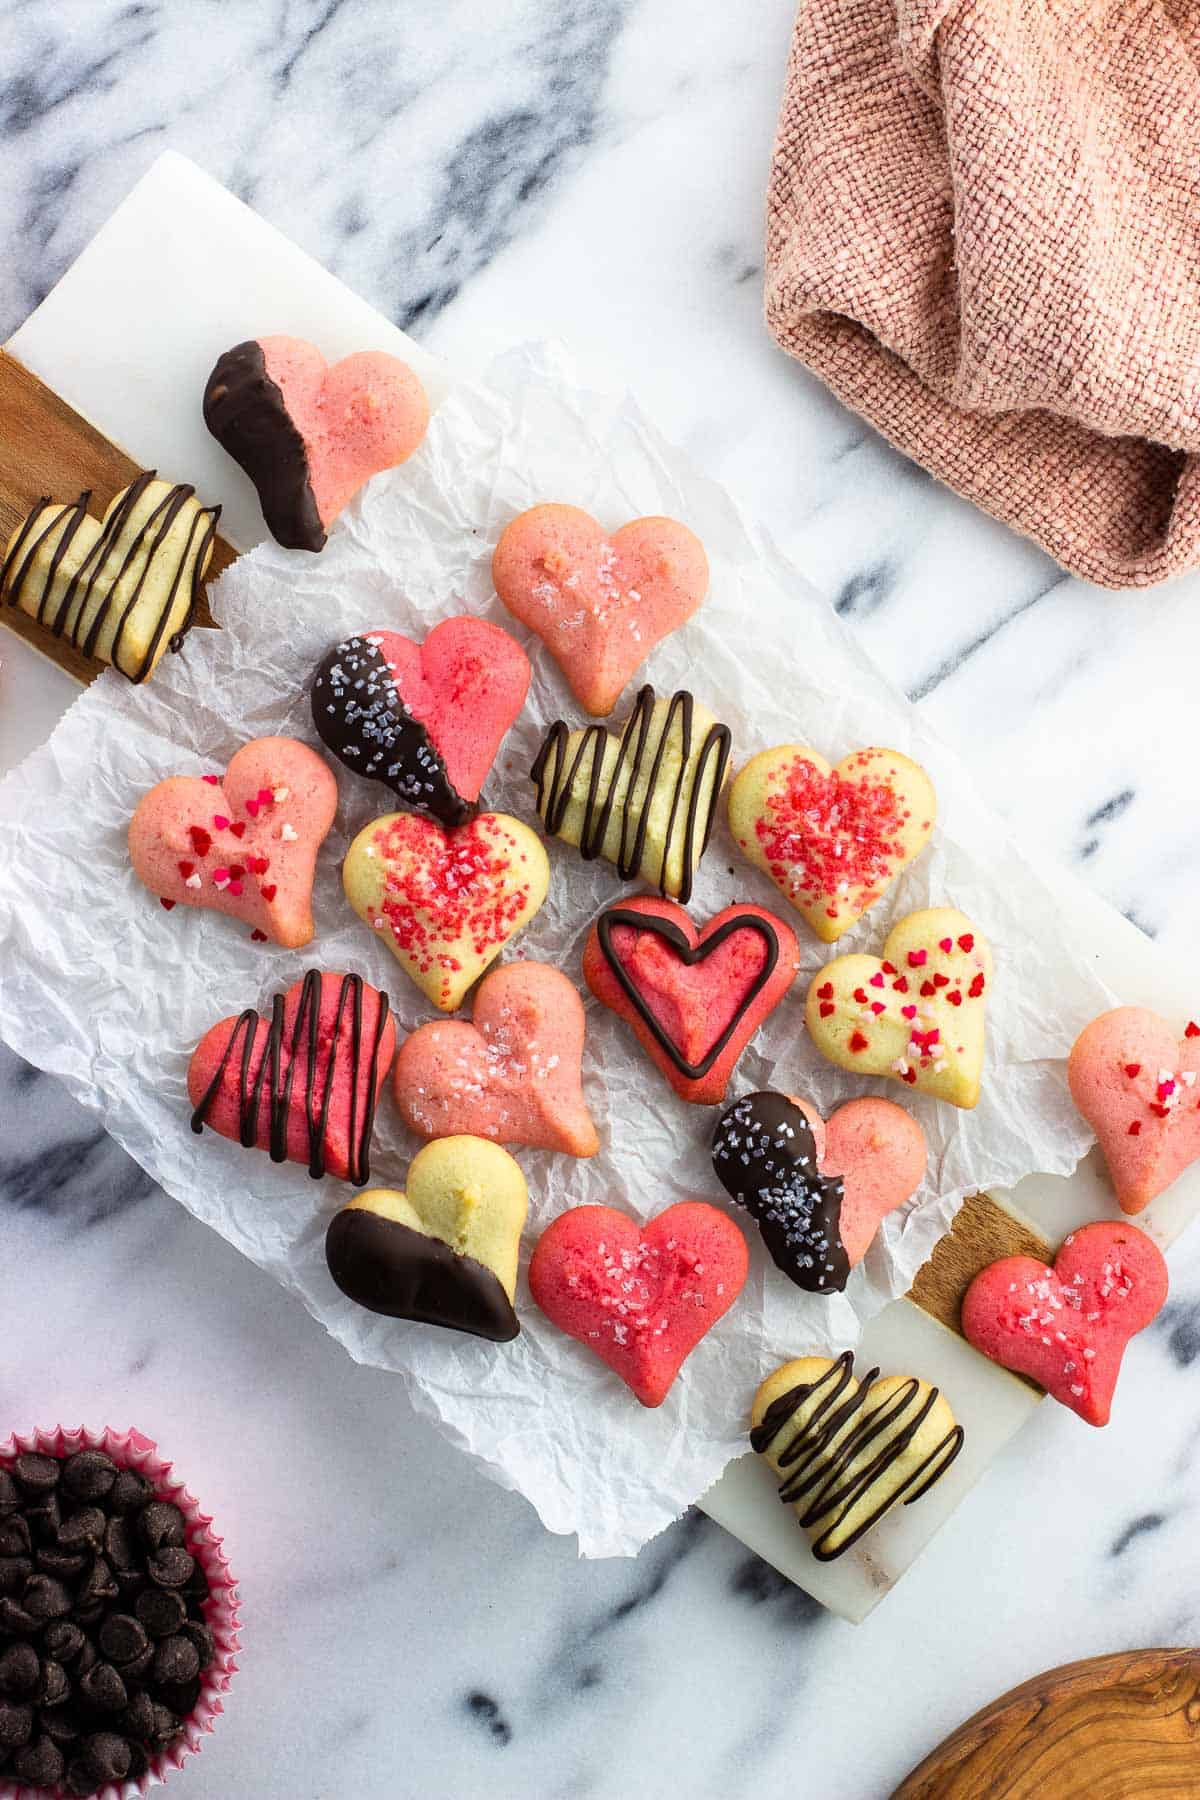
point(817, 1190)
point(444, 1252)
point(424, 719)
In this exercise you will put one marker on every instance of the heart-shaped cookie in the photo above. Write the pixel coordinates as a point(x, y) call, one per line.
point(122, 589)
point(640, 1297)
point(599, 604)
point(309, 433)
point(244, 843)
point(425, 719)
point(1068, 1326)
point(512, 1075)
point(833, 840)
point(1136, 1085)
point(445, 902)
point(916, 1013)
point(645, 801)
point(818, 1191)
point(304, 1083)
point(846, 1451)
point(443, 1252)
point(694, 998)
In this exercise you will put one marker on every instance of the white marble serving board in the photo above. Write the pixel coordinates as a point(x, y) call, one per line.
point(181, 270)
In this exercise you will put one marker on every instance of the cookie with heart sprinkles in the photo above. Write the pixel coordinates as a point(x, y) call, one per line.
point(1138, 1086)
point(424, 719)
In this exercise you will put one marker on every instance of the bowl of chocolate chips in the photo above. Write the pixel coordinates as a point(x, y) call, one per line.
point(118, 1617)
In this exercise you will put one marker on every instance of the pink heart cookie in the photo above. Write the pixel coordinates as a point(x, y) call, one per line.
point(244, 843)
point(599, 604)
point(309, 433)
point(512, 1075)
point(817, 1191)
point(1136, 1085)
point(640, 1297)
point(1068, 1326)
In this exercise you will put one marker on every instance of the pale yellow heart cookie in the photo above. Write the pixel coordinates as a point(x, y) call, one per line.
point(916, 1013)
point(446, 902)
point(445, 1250)
point(832, 839)
point(646, 800)
point(847, 1452)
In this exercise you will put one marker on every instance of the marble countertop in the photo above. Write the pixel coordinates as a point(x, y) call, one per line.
point(594, 170)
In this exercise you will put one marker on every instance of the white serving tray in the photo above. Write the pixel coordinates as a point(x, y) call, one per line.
point(182, 270)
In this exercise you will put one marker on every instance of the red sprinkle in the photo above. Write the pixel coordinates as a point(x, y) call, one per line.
point(1135, 1128)
point(220, 822)
point(910, 1075)
point(239, 830)
point(827, 1008)
point(440, 886)
point(1132, 1069)
point(888, 968)
point(954, 997)
point(877, 980)
point(966, 941)
point(927, 988)
point(258, 865)
point(901, 984)
point(235, 888)
point(186, 869)
point(917, 958)
point(1192, 1030)
point(946, 944)
point(860, 994)
point(859, 1042)
point(268, 893)
point(1160, 1111)
point(167, 904)
point(257, 936)
point(201, 842)
point(252, 808)
point(212, 780)
point(976, 987)
point(265, 796)
point(941, 980)
point(818, 831)
point(877, 1007)
point(908, 1012)
point(826, 992)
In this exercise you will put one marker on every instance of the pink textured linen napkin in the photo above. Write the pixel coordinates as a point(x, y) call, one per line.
point(983, 232)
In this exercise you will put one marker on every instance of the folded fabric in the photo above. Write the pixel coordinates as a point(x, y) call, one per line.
point(983, 232)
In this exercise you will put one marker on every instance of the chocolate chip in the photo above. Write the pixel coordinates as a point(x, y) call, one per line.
point(160, 1525)
point(64, 1565)
point(82, 1530)
point(103, 1688)
point(80, 1779)
point(10, 1494)
point(107, 1755)
point(14, 1573)
point(170, 1568)
point(58, 1722)
point(139, 1762)
point(166, 1724)
point(137, 1721)
point(15, 1539)
point(97, 1587)
point(55, 1686)
point(89, 1475)
point(36, 1474)
point(39, 1763)
point(129, 1492)
point(20, 1671)
point(63, 1640)
point(202, 1637)
point(45, 1598)
point(16, 1724)
point(120, 1544)
point(176, 1660)
point(180, 1697)
point(14, 1620)
point(89, 1656)
point(160, 1612)
point(122, 1639)
point(44, 1520)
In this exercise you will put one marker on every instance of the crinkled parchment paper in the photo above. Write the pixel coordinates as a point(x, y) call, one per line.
point(110, 992)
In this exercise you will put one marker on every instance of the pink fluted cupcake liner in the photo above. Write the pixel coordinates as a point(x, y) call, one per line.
point(130, 1450)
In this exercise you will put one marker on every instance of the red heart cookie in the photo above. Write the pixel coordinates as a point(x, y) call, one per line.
point(244, 844)
point(818, 1191)
point(599, 604)
point(640, 1297)
point(1068, 1326)
point(694, 998)
point(513, 1075)
point(425, 719)
point(309, 433)
point(302, 1085)
point(1136, 1085)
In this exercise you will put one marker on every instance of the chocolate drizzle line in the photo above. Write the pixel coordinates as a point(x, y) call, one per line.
point(556, 790)
point(98, 574)
point(246, 413)
point(765, 1157)
point(690, 954)
point(280, 1085)
point(839, 1476)
point(361, 715)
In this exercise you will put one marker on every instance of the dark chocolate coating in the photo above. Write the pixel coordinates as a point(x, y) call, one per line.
point(244, 409)
point(554, 779)
point(834, 1476)
point(391, 1269)
point(690, 954)
point(361, 717)
point(100, 570)
point(765, 1157)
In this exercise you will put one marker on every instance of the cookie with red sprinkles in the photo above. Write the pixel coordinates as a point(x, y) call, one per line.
point(1138, 1086)
point(446, 902)
point(243, 843)
point(916, 1013)
point(832, 839)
